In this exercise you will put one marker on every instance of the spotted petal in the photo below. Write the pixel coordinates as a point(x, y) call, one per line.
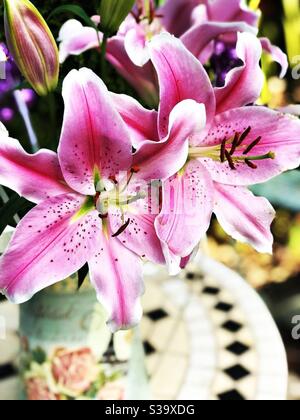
point(245, 217)
point(49, 245)
point(187, 209)
point(116, 274)
point(280, 134)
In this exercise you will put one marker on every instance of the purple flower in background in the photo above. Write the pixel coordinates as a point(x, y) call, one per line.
point(10, 81)
point(223, 60)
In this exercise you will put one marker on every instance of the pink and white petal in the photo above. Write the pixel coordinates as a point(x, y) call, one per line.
point(49, 245)
point(188, 200)
point(143, 79)
point(141, 122)
point(160, 160)
point(94, 137)
point(199, 37)
point(173, 262)
point(277, 55)
point(140, 235)
point(135, 44)
point(35, 177)
point(243, 85)
point(75, 39)
point(235, 10)
point(245, 217)
point(280, 134)
point(181, 76)
point(116, 273)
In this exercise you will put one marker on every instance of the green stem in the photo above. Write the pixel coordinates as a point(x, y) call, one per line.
point(103, 56)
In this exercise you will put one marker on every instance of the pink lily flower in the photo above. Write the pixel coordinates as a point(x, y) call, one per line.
point(128, 51)
point(241, 146)
point(75, 39)
point(88, 210)
point(180, 15)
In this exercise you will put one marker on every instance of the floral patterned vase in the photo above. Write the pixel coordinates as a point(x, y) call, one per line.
point(68, 353)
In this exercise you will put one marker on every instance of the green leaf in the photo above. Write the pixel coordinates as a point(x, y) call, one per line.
point(39, 356)
point(82, 274)
point(15, 205)
point(75, 10)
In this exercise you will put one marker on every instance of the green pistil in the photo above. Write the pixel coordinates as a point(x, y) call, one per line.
point(270, 155)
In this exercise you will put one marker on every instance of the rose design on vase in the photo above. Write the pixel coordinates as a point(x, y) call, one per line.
point(74, 371)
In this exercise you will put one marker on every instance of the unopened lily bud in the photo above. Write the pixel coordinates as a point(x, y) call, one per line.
point(32, 45)
point(113, 12)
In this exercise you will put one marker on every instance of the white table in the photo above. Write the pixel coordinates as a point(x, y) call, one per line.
point(209, 324)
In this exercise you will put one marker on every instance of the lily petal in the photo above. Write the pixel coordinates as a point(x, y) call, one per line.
point(143, 79)
point(177, 15)
point(277, 54)
point(75, 39)
point(140, 235)
point(188, 200)
point(35, 177)
point(135, 44)
point(141, 122)
point(160, 160)
point(181, 76)
point(243, 84)
point(116, 274)
point(94, 138)
point(280, 134)
point(49, 245)
point(236, 11)
point(245, 217)
point(198, 37)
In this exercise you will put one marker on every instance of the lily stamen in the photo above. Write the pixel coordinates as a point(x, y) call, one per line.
point(230, 160)
point(244, 135)
point(252, 145)
point(235, 143)
point(122, 229)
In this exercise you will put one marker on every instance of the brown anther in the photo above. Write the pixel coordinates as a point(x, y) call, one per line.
point(135, 169)
point(235, 143)
point(250, 164)
point(121, 230)
point(230, 160)
point(252, 145)
point(223, 150)
point(113, 179)
point(244, 136)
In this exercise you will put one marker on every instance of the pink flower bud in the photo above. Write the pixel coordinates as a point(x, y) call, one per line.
point(32, 45)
